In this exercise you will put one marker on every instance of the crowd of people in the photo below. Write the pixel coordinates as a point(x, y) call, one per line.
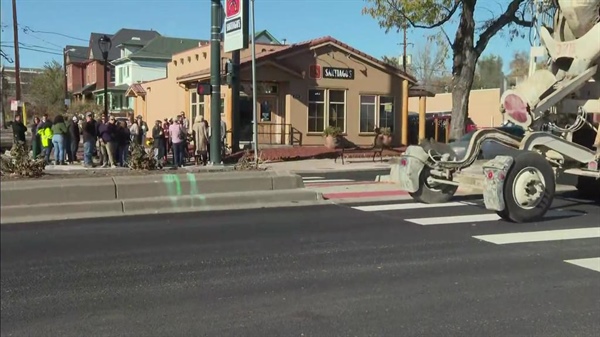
point(110, 139)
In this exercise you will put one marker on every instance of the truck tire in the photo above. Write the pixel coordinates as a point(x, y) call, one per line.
point(529, 188)
point(588, 188)
point(432, 194)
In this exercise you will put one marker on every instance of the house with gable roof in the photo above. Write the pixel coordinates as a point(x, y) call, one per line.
point(302, 89)
point(92, 68)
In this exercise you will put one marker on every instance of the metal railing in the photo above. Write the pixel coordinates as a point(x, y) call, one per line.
point(272, 134)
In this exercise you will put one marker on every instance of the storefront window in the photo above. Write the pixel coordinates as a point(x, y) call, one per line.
point(367, 113)
point(197, 105)
point(386, 112)
point(316, 110)
point(337, 108)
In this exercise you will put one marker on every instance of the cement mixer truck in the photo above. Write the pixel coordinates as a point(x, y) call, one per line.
point(555, 107)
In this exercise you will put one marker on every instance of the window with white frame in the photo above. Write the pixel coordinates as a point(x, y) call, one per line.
point(326, 105)
point(316, 110)
point(376, 111)
point(367, 113)
point(196, 105)
point(337, 109)
point(386, 112)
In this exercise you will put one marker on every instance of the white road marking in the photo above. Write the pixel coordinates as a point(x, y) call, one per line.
point(407, 206)
point(542, 236)
point(591, 263)
point(312, 178)
point(448, 220)
point(323, 181)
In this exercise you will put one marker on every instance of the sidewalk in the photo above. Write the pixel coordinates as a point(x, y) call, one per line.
point(328, 165)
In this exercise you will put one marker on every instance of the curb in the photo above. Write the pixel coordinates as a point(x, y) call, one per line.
point(164, 205)
point(336, 170)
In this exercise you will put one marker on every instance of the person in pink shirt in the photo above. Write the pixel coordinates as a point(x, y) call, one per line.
point(177, 134)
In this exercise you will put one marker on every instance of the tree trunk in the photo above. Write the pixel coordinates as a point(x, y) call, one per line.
point(461, 84)
point(463, 68)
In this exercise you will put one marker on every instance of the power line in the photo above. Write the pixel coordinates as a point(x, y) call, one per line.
point(39, 51)
point(29, 29)
point(33, 46)
point(38, 38)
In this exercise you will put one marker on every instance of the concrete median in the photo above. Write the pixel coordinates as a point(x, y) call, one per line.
point(45, 200)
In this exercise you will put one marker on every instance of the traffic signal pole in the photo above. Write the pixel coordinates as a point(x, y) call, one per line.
point(215, 81)
point(235, 102)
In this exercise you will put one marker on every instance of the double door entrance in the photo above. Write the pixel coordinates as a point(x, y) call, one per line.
point(271, 121)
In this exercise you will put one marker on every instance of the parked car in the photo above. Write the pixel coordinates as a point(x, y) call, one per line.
point(489, 148)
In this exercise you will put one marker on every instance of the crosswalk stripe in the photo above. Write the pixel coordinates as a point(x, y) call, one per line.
point(407, 206)
point(591, 263)
point(541, 236)
point(327, 181)
point(448, 220)
point(312, 178)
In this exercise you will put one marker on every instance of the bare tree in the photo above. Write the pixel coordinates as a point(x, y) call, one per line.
point(428, 63)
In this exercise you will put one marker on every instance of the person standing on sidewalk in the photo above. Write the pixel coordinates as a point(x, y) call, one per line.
point(177, 136)
point(123, 141)
point(201, 139)
point(101, 149)
point(108, 139)
point(19, 130)
point(36, 145)
point(88, 131)
point(45, 132)
point(74, 137)
point(158, 135)
point(59, 133)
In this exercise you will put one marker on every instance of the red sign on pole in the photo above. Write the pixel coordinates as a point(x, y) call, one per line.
point(232, 7)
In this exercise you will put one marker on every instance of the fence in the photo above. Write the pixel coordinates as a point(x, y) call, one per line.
point(436, 128)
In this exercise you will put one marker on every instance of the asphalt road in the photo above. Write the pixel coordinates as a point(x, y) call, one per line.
point(307, 271)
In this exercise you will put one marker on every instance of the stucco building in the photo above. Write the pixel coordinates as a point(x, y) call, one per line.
point(301, 88)
point(484, 106)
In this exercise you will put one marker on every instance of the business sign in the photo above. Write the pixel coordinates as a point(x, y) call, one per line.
point(314, 71)
point(236, 25)
point(338, 73)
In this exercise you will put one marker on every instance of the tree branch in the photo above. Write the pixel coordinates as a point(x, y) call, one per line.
point(507, 17)
point(450, 12)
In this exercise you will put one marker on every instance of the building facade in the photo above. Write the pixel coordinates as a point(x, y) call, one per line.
point(302, 89)
point(484, 106)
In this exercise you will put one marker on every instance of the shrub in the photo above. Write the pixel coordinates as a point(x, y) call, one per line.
point(80, 108)
point(20, 163)
point(139, 159)
point(248, 163)
point(332, 131)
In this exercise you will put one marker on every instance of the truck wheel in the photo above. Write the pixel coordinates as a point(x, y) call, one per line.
point(588, 188)
point(432, 194)
point(529, 188)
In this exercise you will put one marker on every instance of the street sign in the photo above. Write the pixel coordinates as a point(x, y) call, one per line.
point(221, 18)
point(67, 102)
point(236, 25)
point(14, 105)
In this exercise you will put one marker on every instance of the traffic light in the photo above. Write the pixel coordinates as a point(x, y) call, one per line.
point(229, 70)
point(203, 89)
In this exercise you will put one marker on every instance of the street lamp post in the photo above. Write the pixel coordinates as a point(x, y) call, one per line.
point(105, 44)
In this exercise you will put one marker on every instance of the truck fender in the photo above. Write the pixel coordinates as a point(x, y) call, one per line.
point(495, 172)
point(407, 169)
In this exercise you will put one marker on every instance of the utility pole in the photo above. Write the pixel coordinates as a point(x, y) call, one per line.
point(65, 76)
point(404, 49)
point(254, 87)
point(2, 119)
point(17, 62)
point(215, 81)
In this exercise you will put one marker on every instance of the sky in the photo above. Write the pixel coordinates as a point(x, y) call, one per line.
point(41, 23)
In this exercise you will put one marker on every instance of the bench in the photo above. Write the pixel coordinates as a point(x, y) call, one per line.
point(377, 148)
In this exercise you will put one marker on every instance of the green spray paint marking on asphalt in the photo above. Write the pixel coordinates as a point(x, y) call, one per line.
point(175, 192)
point(173, 187)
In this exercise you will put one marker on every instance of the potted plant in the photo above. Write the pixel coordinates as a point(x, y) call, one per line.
point(386, 136)
point(332, 136)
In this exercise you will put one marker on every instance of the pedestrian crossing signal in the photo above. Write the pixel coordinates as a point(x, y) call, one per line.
point(203, 89)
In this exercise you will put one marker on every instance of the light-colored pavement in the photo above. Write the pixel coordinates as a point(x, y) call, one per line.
point(329, 165)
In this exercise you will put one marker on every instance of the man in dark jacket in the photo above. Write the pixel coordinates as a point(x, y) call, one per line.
point(108, 139)
point(19, 130)
point(74, 137)
point(88, 131)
